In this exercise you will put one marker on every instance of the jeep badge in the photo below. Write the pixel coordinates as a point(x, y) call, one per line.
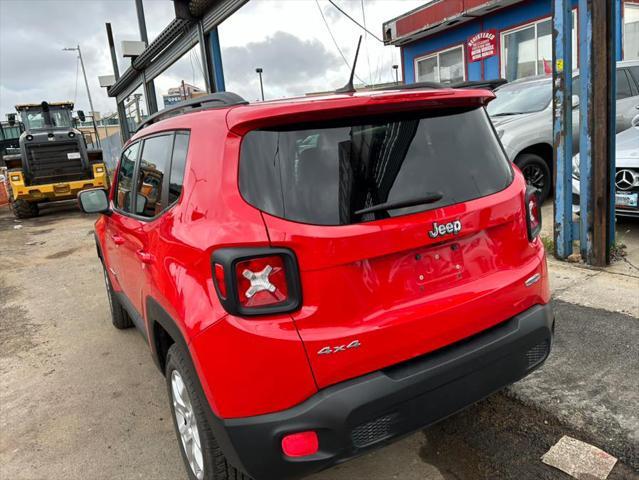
point(445, 229)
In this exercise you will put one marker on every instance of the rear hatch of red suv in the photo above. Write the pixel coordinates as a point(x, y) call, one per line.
point(407, 221)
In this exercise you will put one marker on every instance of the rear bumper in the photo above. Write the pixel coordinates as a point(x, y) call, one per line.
point(367, 412)
point(60, 190)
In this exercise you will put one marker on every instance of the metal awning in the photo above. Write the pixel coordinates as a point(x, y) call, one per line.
point(437, 16)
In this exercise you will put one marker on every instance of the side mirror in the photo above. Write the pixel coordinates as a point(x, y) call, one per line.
point(140, 203)
point(81, 115)
point(12, 119)
point(94, 200)
point(575, 101)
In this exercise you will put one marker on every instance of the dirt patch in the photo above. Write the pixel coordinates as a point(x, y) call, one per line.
point(17, 333)
point(500, 438)
point(62, 253)
point(42, 232)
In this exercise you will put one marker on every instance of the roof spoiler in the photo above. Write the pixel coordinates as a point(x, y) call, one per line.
point(489, 84)
point(205, 102)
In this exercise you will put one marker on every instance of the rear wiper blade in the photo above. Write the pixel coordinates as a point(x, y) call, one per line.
point(429, 197)
point(505, 114)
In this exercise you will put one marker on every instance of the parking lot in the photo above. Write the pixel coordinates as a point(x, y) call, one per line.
point(83, 400)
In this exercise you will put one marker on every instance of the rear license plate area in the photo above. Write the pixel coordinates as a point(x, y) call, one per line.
point(626, 199)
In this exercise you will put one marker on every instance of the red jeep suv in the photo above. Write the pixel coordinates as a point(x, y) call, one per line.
point(319, 276)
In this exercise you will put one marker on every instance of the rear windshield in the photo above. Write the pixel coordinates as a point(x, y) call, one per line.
point(323, 174)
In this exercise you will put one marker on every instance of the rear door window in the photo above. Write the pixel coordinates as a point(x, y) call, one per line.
point(324, 173)
point(125, 177)
point(154, 165)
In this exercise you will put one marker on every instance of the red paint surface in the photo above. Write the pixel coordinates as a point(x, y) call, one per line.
point(385, 283)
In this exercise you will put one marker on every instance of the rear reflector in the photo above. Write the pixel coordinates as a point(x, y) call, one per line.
point(300, 444)
point(219, 279)
point(533, 213)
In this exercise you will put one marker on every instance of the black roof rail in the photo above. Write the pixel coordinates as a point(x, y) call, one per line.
point(490, 84)
point(205, 102)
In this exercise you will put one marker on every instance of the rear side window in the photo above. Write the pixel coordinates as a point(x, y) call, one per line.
point(623, 85)
point(635, 73)
point(178, 163)
point(323, 174)
point(154, 165)
point(125, 177)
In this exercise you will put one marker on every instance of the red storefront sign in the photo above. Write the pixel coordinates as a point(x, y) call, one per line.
point(482, 45)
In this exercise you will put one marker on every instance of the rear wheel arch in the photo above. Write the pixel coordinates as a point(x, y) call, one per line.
point(163, 332)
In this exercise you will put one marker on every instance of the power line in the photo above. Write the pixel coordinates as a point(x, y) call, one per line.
point(356, 22)
point(335, 41)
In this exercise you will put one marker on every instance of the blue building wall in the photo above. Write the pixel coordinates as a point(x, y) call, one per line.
point(505, 19)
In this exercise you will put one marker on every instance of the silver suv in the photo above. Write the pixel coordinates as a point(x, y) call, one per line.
point(522, 116)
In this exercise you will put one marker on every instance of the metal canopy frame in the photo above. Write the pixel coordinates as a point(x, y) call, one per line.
point(182, 34)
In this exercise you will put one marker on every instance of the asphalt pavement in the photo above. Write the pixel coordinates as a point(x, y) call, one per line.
point(81, 400)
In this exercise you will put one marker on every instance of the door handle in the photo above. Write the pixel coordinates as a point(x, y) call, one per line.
point(145, 257)
point(117, 239)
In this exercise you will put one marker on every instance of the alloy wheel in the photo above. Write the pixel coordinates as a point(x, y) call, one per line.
point(534, 176)
point(187, 425)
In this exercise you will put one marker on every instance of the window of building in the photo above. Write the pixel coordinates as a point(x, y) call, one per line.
point(125, 177)
point(527, 51)
point(154, 163)
point(631, 31)
point(446, 66)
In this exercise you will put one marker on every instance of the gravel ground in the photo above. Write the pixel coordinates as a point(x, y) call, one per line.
point(81, 400)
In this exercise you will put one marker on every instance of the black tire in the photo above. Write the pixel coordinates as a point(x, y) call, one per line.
point(21, 208)
point(119, 318)
point(536, 172)
point(214, 463)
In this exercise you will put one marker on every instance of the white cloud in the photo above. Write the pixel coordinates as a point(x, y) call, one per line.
point(287, 38)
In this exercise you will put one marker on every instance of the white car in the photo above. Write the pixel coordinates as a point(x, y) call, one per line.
point(626, 176)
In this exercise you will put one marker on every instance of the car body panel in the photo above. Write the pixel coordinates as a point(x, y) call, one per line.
point(253, 366)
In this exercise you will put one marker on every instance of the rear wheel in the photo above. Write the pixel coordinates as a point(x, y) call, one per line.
point(119, 317)
point(536, 172)
point(201, 453)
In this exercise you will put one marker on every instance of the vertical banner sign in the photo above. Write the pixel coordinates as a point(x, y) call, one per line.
point(482, 45)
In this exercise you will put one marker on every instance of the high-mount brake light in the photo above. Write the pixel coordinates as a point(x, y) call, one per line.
point(256, 281)
point(533, 213)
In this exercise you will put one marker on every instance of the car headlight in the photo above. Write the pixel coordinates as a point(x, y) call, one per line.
point(575, 168)
point(15, 178)
point(99, 169)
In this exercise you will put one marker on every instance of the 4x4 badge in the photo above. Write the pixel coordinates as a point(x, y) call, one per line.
point(445, 228)
point(339, 348)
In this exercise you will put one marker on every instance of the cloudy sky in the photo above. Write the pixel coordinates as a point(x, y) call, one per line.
point(287, 38)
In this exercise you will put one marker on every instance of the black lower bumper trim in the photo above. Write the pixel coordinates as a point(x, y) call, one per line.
point(353, 417)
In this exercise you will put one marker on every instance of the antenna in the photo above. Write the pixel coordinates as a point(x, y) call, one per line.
point(349, 88)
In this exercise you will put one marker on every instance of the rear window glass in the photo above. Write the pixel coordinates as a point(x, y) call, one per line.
point(323, 174)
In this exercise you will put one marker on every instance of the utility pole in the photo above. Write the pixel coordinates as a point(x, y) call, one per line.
point(86, 84)
point(259, 72)
point(396, 67)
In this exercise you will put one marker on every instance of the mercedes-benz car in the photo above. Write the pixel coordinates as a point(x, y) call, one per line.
point(626, 174)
